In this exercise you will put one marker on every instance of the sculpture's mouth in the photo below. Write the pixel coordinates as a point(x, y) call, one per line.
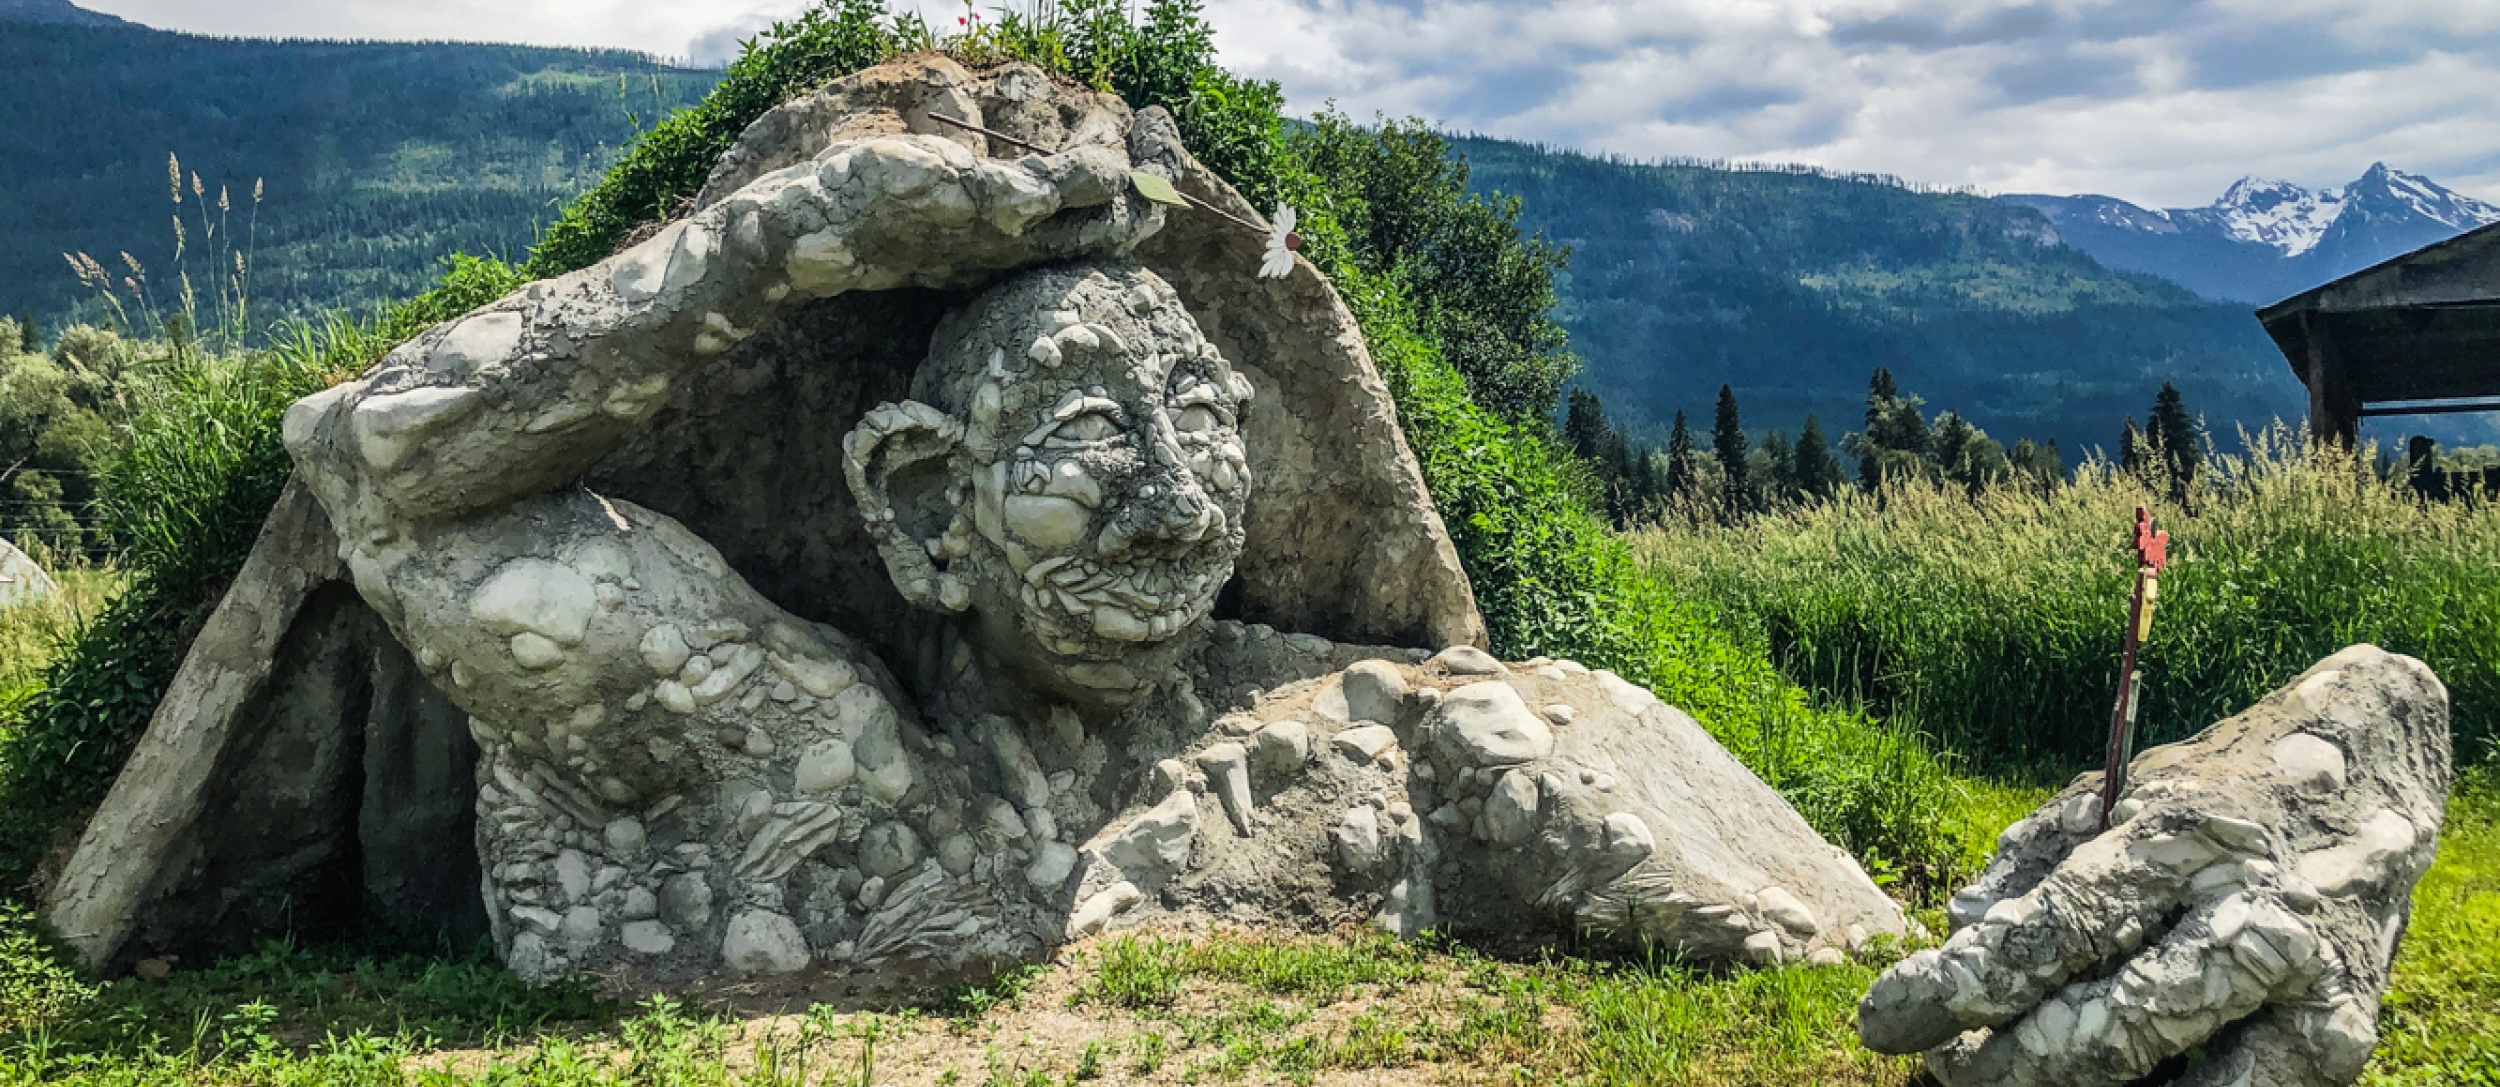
point(1078, 604)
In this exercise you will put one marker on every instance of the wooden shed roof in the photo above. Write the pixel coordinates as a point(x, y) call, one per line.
point(2421, 326)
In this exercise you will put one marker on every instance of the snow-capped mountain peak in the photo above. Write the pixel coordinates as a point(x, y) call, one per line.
point(2278, 214)
point(2293, 220)
point(2385, 191)
point(2267, 239)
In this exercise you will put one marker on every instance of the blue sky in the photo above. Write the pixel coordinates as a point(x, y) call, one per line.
point(2163, 102)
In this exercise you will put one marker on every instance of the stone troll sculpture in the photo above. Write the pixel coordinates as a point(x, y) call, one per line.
point(1018, 689)
point(998, 467)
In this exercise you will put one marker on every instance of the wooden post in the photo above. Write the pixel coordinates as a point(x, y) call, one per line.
point(2152, 552)
point(2334, 412)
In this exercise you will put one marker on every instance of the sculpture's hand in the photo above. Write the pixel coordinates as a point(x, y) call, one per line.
point(2247, 898)
point(525, 394)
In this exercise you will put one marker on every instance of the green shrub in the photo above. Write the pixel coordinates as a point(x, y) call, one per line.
point(199, 468)
point(1995, 622)
point(52, 417)
point(1479, 290)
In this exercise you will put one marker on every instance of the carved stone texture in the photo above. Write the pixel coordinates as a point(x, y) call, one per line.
point(1342, 538)
point(1431, 798)
point(21, 581)
point(2246, 903)
point(297, 768)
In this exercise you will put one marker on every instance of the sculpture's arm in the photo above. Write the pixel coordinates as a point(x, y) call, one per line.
point(524, 395)
point(1463, 792)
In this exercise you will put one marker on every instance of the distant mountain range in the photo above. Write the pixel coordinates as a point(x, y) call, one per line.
point(2046, 317)
point(2266, 240)
point(60, 12)
point(374, 160)
point(1793, 285)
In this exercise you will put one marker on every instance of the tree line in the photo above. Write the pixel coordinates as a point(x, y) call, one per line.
point(1733, 474)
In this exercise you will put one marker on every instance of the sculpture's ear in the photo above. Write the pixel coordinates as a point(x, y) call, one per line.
point(899, 462)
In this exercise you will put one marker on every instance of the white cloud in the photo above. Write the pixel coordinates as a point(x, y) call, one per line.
point(2157, 101)
point(2153, 100)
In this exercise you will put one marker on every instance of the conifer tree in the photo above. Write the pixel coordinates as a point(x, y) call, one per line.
point(1896, 437)
point(1623, 498)
point(1880, 389)
point(2176, 439)
point(1817, 471)
point(1952, 445)
point(1881, 394)
point(1607, 451)
point(1727, 439)
point(1680, 459)
point(1640, 481)
point(1584, 425)
point(1778, 482)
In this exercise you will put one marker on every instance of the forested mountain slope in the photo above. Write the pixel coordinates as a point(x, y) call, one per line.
point(379, 158)
point(1793, 286)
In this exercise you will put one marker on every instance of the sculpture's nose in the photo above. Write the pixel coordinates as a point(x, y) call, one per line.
point(1167, 509)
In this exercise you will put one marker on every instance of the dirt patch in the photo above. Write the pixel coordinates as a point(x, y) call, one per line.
point(1056, 1027)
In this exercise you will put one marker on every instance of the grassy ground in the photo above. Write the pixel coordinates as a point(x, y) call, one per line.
point(1214, 1008)
point(2441, 1024)
point(1221, 1008)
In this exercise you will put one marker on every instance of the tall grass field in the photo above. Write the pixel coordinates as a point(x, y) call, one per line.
point(1994, 622)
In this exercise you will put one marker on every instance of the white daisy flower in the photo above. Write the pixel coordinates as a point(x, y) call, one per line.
point(1281, 243)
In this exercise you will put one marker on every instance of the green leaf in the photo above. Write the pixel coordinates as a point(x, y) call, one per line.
point(1154, 188)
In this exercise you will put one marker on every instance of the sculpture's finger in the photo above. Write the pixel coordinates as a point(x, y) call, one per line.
point(1014, 196)
point(2224, 961)
point(2289, 1046)
point(2029, 850)
point(2102, 901)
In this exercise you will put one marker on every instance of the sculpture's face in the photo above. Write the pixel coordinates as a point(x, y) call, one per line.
point(1094, 497)
point(1114, 495)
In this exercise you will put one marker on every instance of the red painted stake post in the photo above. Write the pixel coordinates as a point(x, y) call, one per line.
point(2152, 552)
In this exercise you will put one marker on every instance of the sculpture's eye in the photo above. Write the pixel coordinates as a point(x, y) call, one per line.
point(1086, 429)
point(1198, 410)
